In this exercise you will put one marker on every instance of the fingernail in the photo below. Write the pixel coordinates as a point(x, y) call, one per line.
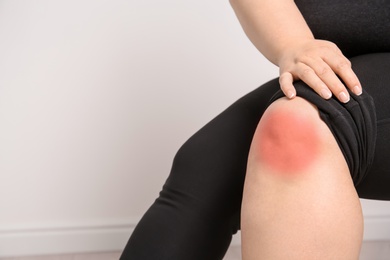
point(357, 90)
point(325, 93)
point(290, 94)
point(343, 97)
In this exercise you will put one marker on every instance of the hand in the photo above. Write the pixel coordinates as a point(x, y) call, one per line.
point(318, 63)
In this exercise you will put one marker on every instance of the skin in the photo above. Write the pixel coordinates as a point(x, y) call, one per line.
point(280, 33)
point(287, 143)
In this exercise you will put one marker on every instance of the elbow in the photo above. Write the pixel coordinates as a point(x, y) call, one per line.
point(233, 2)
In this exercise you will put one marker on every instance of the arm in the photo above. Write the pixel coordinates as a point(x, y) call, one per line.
point(280, 33)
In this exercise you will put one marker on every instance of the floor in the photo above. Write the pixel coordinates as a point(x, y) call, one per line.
point(370, 251)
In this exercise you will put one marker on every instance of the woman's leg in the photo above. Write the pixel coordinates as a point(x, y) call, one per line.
point(198, 209)
point(299, 200)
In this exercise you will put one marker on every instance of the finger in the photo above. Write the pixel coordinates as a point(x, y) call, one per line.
point(328, 76)
point(286, 84)
point(342, 67)
point(310, 77)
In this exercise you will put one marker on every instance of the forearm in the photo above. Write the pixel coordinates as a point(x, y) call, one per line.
point(271, 25)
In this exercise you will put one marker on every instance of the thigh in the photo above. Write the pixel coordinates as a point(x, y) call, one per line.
point(374, 73)
point(198, 209)
point(376, 185)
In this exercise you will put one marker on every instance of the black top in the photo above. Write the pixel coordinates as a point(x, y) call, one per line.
point(356, 26)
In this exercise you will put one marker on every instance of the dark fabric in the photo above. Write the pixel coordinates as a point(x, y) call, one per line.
point(374, 73)
point(198, 209)
point(356, 26)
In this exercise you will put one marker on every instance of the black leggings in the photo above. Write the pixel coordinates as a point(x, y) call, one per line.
point(198, 209)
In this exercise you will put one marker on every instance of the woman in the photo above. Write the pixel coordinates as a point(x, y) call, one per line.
point(286, 166)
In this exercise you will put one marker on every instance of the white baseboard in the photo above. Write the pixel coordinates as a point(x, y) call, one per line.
point(79, 239)
point(377, 228)
point(113, 237)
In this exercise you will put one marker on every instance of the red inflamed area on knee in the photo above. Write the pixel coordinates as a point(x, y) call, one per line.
point(288, 143)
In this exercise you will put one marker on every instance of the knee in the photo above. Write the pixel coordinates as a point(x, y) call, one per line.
point(290, 137)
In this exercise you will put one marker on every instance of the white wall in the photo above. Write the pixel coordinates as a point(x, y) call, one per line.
point(95, 99)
